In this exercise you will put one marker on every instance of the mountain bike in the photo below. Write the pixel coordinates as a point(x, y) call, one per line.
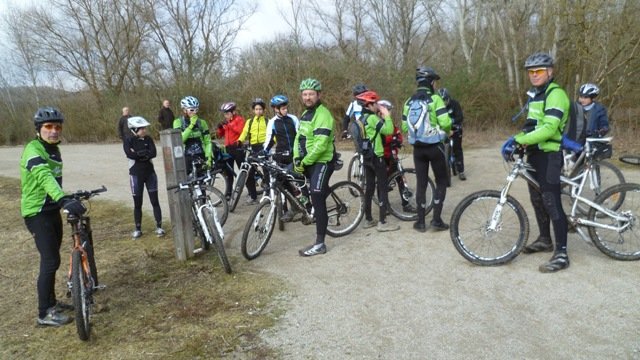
point(345, 207)
point(83, 274)
point(241, 179)
point(207, 226)
point(491, 227)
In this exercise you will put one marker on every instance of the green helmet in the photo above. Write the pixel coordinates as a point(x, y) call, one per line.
point(310, 84)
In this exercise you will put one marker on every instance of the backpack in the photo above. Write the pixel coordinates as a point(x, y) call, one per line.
point(572, 129)
point(364, 145)
point(419, 123)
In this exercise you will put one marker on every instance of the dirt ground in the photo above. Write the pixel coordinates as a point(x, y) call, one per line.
point(407, 295)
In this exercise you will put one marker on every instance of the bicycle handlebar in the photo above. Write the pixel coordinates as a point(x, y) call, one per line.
point(86, 194)
point(186, 184)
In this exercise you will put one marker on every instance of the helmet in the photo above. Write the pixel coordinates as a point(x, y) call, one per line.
point(426, 73)
point(310, 84)
point(136, 122)
point(228, 106)
point(386, 103)
point(258, 101)
point(589, 90)
point(444, 94)
point(189, 102)
point(47, 114)
point(367, 97)
point(538, 59)
point(359, 89)
point(279, 100)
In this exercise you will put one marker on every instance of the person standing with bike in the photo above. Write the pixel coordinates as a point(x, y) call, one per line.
point(230, 128)
point(457, 118)
point(548, 112)
point(427, 121)
point(41, 199)
point(313, 156)
point(140, 149)
point(195, 133)
point(256, 129)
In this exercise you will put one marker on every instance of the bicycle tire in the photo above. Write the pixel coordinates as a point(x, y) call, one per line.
point(469, 229)
point(217, 239)
point(409, 179)
point(280, 210)
point(249, 247)
point(607, 175)
point(623, 245)
point(237, 190)
point(221, 181)
point(355, 171)
point(79, 294)
point(345, 202)
point(630, 159)
point(87, 241)
point(219, 201)
point(204, 245)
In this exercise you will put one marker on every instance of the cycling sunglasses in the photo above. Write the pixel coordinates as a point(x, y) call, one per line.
point(538, 71)
point(52, 126)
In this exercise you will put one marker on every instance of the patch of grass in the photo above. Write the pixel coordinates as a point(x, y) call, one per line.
point(154, 306)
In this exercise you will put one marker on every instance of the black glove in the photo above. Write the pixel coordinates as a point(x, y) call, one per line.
point(72, 206)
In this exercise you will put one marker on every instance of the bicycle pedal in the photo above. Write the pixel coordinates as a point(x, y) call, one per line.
point(99, 287)
point(198, 251)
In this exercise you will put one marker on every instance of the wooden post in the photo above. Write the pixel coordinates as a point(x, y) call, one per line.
point(179, 202)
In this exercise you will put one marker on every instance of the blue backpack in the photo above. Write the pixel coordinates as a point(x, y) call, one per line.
point(420, 128)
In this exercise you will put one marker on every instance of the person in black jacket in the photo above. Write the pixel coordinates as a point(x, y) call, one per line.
point(123, 130)
point(140, 149)
point(457, 118)
point(166, 116)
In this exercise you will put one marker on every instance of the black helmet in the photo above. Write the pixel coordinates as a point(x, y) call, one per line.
point(258, 101)
point(425, 73)
point(47, 114)
point(359, 89)
point(444, 94)
point(537, 60)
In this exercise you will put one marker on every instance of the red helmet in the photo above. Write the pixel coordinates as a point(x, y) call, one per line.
point(367, 97)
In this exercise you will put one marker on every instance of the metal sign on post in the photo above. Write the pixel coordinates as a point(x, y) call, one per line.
point(179, 201)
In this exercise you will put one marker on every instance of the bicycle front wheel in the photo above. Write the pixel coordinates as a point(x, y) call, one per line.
point(258, 230)
point(80, 290)
point(220, 203)
point(402, 194)
point(356, 171)
point(622, 240)
point(237, 190)
point(210, 219)
point(345, 208)
point(471, 231)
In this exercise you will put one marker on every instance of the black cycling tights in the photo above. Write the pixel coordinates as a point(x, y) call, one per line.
point(319, 175)
point(375, 174)
point(423, 155)
point(546, 202)
point(46, 228)
point(138, 183)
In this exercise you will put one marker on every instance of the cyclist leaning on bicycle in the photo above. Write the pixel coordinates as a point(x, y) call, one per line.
point(195, 133)
point(548, 111)
point(41, 200)
point(256, 131)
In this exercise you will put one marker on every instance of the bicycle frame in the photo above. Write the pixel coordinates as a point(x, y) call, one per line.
point(199, 202)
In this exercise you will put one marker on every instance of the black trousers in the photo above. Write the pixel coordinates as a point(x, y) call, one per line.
point(423, 155)
point(376, 173)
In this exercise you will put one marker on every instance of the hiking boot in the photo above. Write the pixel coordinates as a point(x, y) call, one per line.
point(54, 318)
point(542, 244)
point(287, 216)
point(462, 177)
point(159, 232)
point(60, 306)
point(369, 224)
point(136, 234)
point(439, 225)
point(419, 226)
point(385, 226)
point(558, 261)
point(315, 249)
point(409, 208)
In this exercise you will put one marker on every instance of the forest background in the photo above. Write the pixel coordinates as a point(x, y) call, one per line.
point(92, 57)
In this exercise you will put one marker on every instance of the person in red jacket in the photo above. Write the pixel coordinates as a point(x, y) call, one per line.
point(231, 128)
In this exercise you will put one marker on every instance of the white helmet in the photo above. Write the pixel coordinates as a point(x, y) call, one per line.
point(189, 102)
point(385, 103)
point(136, 122)
point(589, 90)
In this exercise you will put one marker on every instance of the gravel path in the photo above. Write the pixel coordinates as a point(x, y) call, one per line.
point(406, 295)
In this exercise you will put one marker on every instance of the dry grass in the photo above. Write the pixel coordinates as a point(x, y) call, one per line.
point(154, 306)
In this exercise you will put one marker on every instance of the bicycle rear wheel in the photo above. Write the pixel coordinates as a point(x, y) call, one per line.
point(209, 218)
point(345, 208)
point(474, 240)
point(220, 203)
point(237, 190)
point(80, 293)
point(623, 244)
point(603, 176)
point(258, 230)
point(402, 194)
point(355, 172)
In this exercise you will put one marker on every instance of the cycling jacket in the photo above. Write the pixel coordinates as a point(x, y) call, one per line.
point(256, 129)
point(281, 131)
point(140, 151)
point(314, 141)
point(196, 138)
point(373, 123)
point(231, 130)
point(41, 178)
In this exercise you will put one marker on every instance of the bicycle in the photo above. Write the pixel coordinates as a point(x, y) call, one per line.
point(83, 274)
point(206, 224)
point(491, 227)
point(345, 208)
point(242, 179)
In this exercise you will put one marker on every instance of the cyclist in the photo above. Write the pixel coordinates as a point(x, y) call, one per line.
point(392, 143)
point(281, 132)
point(256, 129)
point(591, 114)
point(376, 170)
point(140, 149)
point(230, 128)
point(41, 199)
point(354, 110)
point(427, 136)
point(457, 118)
point(542, 144)
point(195, 133)
point(313, 154)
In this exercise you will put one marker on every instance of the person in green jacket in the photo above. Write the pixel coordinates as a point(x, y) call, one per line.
point(195, 133)
point(542, 136)
point(40, 203)
point(375, 169)
point(313, 155)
